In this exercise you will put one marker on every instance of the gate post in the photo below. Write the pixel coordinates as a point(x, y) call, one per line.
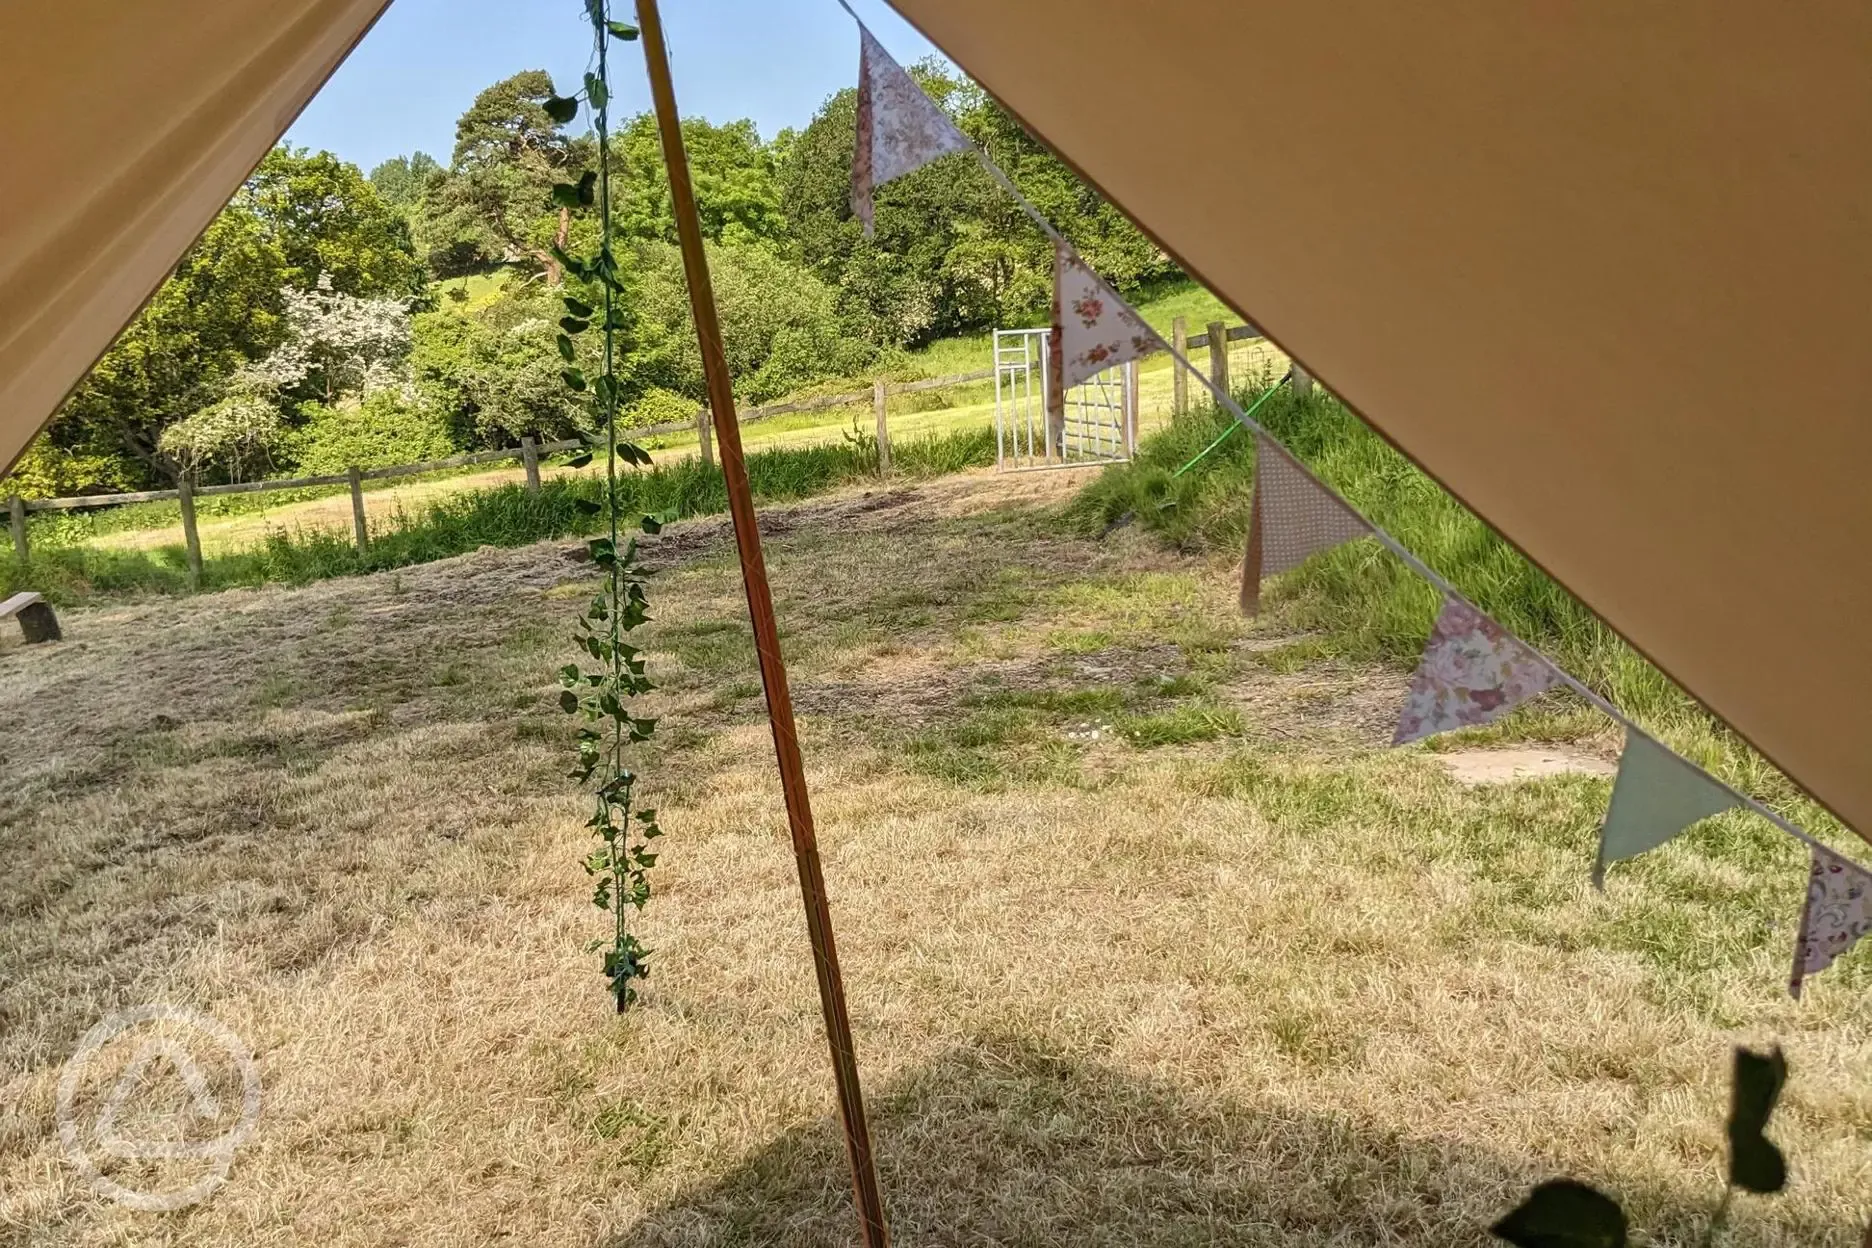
point(1179, 377)
point(1218, 356)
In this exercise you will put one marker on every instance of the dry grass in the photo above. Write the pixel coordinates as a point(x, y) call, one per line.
point(1147, 940)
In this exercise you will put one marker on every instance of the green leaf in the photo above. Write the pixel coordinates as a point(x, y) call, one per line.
point(571, 263)
point(586, 507)
point(650, 524)
point(586, 190)
point(572, 325)
point(1756, 1165)
point(595, 91)
point(566, 350)
point(631, 453)
point(574, 378)
point(579, 460)
point(568, 701)
point(578, 307)
point(615, 320)
point(605, 388)
point(570, 674)
point(566, 195)
point(561, 109)
point(1564, 1214)
point(620, 31)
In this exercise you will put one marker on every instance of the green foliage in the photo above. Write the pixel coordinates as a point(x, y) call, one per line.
point(381, 429)
point(780, 328)
point(399, 181)
point(733, 173)
point(657, 406)
point(327, 220)
point(494, 372)
point(47, 470)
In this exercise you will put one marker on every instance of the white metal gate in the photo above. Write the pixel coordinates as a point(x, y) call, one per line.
point(1098, 424)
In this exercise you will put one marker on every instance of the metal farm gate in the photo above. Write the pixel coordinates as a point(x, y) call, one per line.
point(1098, 425)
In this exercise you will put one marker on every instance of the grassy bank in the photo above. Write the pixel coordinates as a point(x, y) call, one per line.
point(505, 516)
point(1364, 603)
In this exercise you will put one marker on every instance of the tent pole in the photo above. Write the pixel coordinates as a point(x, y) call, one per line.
point(766, 636)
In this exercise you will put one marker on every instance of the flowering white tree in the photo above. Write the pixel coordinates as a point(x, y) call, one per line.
point(342, 344)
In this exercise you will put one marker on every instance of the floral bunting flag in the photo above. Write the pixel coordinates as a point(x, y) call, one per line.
point(1838, 913)
point(900, 129)
point(1656, 796)
point(1093, 329)
point(1472, 672)
point(1291, 518)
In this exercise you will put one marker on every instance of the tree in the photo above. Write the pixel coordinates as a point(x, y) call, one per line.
point(495, 373)
point(220, 309)
point(733, 172)
point(495, 205)
point(400, 181)
point(327, 220)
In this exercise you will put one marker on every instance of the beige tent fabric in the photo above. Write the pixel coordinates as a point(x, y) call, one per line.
point(1605, 270)
point(123, 129)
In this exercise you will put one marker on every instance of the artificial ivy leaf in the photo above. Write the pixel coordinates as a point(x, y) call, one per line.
point(586, 190)
point(631, 453)
point(570, 674)
point(574, 378)
point(572, 325)
point(579, 460)
point(1755, 1164)
point(566, 195)
point(561, 109)
point(595, 91)
point(650, 524)
point(566, 350)
point(568, 701)
point(605, 388)
point(615, 319)
point(621, 31)
point(571, 263)
point(578, 307)
point(586, 507)
point(1564, 1214)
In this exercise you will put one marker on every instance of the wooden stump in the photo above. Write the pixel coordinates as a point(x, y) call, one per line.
point(38, 623)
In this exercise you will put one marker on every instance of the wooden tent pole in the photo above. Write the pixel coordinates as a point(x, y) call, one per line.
point(766, 635)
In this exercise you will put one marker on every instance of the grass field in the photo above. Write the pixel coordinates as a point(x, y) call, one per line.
point(1148, 938)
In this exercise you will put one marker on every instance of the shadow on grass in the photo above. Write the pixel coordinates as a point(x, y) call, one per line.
point(1007, 1143)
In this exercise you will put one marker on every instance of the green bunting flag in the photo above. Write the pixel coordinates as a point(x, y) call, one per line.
point(1656, 796)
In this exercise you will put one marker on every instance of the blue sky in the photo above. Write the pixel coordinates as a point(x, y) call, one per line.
point(422, 64)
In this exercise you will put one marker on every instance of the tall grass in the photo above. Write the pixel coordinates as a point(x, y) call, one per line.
point(504, 516)
point(1362, 598)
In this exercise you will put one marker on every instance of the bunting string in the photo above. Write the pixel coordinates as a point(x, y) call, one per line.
point(1467, 640)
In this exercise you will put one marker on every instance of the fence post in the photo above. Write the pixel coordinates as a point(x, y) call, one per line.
point(529, 455)
point(1179, 380)
point(1302, 380)
point(185, 496)
point(17, 506)
point(706, 448)
point(883, 429)
point(357, 508)
point(1131, 407)
point(1218, 356)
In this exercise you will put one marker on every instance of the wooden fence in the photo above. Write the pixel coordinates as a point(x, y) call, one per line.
point(528, 452)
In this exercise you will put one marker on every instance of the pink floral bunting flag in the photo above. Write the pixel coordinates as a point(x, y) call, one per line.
point(1838, 913)
point(1472, 672)
point(900, 129)
point(1291, 518)
point(1093, 329)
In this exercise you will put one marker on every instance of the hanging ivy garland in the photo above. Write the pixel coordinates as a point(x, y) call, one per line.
point(601, 694)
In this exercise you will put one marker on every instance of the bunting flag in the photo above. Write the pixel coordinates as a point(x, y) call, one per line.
point(1656, 796)
point(1838, 913)
point(1093, 329)
point(1472, 672)
point(900, 129)
point(1290, 518)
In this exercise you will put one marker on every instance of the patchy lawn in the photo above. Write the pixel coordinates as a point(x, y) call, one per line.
point(1148, 938)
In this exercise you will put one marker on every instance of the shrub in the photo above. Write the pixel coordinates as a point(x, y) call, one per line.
point(658, 406)
point(376, 432)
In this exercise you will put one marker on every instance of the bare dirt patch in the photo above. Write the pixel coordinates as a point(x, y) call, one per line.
point(1505, 766)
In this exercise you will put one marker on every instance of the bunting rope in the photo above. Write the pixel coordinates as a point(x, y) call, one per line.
point(1477, 675)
